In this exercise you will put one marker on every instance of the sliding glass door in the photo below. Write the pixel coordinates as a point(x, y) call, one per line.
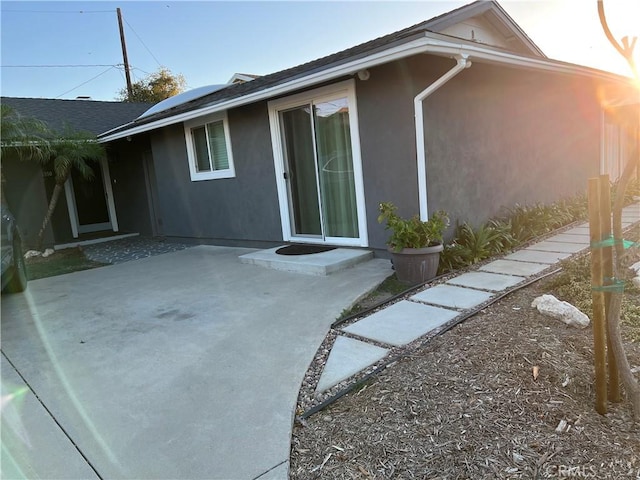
point(317, 160)
point(319, 170)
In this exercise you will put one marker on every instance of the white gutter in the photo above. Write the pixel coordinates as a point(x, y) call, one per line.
point(426, 44)
point(462, 63)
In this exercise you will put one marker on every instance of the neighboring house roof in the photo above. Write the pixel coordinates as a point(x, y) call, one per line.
point(86, 115)
point(499, 40)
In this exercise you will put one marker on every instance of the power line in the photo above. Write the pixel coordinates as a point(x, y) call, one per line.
point(84, 83)
point(138, 68)
point(59, 66)
point(142, 42)
point(57, 11)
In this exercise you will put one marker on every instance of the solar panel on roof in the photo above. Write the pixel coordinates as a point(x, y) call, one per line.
point(181, 98)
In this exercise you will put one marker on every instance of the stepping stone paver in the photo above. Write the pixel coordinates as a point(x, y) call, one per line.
point(348, 357)
point(635, 208)
point(451, 296)
point(401, 323)
point(510, 267)
point(536, 256)
point(486, 281)
point(571, 238)
point(549, 246)
point(579, 230)
point(407, 320)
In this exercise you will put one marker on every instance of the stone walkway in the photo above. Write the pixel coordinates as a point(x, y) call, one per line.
point(367, 341)
point(130, 248)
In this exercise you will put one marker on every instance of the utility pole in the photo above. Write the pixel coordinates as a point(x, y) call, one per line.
point(127, 73)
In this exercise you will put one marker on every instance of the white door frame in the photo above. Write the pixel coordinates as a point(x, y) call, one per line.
point(345, 89)
point(112, 224)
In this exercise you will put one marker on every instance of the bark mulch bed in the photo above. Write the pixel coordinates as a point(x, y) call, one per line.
point(466, 405)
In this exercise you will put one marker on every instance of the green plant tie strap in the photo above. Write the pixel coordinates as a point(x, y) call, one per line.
point(616, 286)
point(611, 242)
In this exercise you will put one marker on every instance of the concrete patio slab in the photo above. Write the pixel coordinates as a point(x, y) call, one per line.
point(571, 238)
point(33, 446)
point(486, 281)
point(281, 472)
point(323, 263)
point(401, 323)
point(348, 357)
point(535, 256)
point(511, 267)
point(450, 296)
point(182, 365)
point(551, 246)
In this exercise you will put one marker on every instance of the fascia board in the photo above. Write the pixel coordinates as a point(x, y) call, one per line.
point(499, 57)
point(426, 44)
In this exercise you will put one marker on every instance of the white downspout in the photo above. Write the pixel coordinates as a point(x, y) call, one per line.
point(463, 62)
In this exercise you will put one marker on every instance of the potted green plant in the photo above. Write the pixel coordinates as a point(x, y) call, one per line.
point(414, 244)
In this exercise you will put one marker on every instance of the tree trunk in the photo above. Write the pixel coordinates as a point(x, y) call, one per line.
point(613, 318)
point(47, 218)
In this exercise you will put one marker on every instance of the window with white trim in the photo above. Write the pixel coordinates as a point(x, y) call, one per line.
point(209, 148)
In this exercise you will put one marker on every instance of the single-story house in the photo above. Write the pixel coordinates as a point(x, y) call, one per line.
point(87, 208)
point(462, 113)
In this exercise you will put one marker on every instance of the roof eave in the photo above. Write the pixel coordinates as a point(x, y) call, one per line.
point(425, 44)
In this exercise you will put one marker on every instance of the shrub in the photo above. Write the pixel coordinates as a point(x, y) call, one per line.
point(471, 245)
point(516, 226)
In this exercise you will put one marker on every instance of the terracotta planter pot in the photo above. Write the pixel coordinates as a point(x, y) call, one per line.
point(416, 265)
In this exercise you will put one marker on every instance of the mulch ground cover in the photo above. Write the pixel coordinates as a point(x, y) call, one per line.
point(468, 405)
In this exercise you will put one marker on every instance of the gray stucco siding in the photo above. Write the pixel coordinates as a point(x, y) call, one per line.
point(243, 208)
point(387, 135)
point(496, 137)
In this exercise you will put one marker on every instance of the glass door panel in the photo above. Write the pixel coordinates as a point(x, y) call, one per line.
point(335, 169)
point(299, 153)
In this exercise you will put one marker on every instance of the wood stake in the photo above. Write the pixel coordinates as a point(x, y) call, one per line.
point(607, 272)
point(599, 328)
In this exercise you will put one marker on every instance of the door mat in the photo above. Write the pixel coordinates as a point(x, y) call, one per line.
point(303, 249)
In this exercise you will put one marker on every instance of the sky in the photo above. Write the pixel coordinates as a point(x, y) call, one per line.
point(68, 49)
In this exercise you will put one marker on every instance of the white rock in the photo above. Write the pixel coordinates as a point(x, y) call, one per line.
point(562, 426)
point(636, 282)
point(48, 252)
point(552, 307)
point(636, 267)
point(32, 253)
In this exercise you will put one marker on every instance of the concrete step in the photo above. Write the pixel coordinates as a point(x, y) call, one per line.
point(323, 263)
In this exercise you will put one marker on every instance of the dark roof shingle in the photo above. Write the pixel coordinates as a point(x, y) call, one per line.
point(87, 115)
